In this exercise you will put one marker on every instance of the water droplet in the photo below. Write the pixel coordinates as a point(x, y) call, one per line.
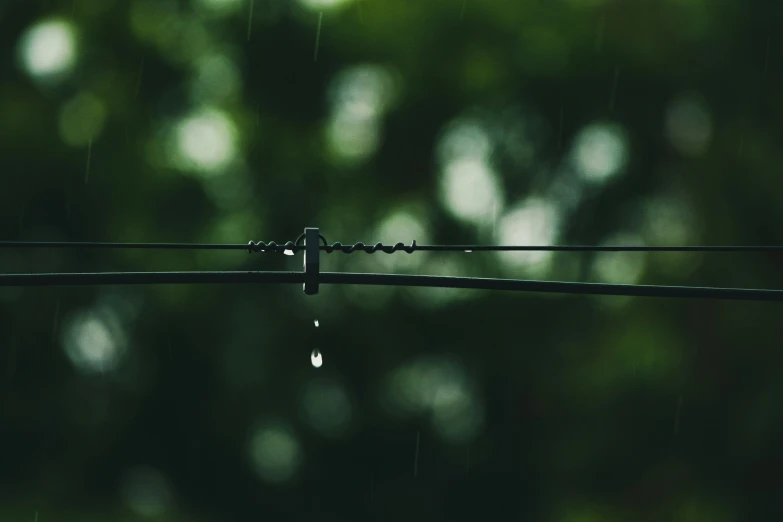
point(316, 359)
point(288, 252)
point(316, 323)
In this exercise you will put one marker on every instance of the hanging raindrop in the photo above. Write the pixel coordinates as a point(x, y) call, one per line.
point(316, 323)
point(288, 252)
point(316, 359)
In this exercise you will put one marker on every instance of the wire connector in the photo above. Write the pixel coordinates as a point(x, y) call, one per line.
point(260, 246)
point(311, 261)
point(370, 249)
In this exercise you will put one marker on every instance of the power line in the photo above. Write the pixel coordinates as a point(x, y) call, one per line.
point(602, 248)
point(93, 244)
point(380, 247)
point(149, 278)
point(312, 242)
point(260, 277)
point(557, 287)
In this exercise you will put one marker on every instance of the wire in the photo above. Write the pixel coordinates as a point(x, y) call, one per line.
point(557, 287)
point(148, 278)
point(161, 246)
point(580, 248)
point(134, 278)
point(379, 247)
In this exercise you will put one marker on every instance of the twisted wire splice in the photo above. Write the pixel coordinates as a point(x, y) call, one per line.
point(261, 246)
point(370, 249)
point(296, 246)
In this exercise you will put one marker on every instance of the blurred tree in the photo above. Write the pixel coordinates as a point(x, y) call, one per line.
point(571, 121)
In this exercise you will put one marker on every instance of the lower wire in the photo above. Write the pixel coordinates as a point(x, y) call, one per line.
point(149, 278)
point(249, 277)
point(556, 287)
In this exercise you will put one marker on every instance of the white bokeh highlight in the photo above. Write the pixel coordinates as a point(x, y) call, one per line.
point(534, 221)
point(600, 151)
point(359, 97)
point(94, 340)
point(464, 138)
point(206, 141)
point(352, 138)
point(470, 190)
point(48, 49)
point(469, 187)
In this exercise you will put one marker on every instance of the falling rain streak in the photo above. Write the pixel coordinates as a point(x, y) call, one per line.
point(89, 154)
point(21, 217)
point(316, 323)
point(677, 415)
point(318, 37)
point(766, 59)
point(11, 364)
point(495, 218)
point(462, 12)
point(250, 20)
point(599, 35)
point(614, 88)
point(416, 456)
point(54, 322)
point(560, 131)
point(138, 82)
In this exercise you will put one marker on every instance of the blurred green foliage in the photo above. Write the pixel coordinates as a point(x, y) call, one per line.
point(445, 121)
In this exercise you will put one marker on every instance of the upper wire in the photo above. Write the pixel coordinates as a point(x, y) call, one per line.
point(95, 244)
point(296, 246)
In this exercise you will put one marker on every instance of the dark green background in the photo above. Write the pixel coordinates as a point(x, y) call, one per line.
point(588, 409)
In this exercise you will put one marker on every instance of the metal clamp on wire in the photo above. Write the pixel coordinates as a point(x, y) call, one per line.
point(311, 260)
